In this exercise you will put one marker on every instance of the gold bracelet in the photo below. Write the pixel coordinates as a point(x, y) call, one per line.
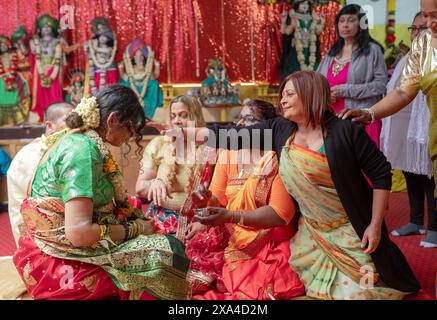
point(103, 231)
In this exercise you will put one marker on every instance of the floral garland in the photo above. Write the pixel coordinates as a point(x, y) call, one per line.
point(8, 74)
point(94, 62)
point(300, 47)
point(46, 80)
point(124, 210)
point(146, 75)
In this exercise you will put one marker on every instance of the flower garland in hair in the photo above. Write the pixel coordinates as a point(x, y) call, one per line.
point(89, 112)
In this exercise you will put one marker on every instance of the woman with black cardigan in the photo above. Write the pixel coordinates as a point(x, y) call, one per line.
point(342, 249)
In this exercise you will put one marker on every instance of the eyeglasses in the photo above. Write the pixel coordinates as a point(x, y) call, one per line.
point(416, 29)
point(246, 118)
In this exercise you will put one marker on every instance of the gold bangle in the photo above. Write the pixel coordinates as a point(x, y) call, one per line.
point(103, 231)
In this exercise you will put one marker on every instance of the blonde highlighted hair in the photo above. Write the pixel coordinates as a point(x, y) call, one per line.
point(194, 109)
point(194, 114)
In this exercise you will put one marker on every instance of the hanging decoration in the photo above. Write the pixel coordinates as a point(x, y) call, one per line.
point(390, 28)
point(207, 26)
point(315, 2)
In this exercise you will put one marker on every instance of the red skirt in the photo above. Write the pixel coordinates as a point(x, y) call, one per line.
point(51, 278)
point(266, 275)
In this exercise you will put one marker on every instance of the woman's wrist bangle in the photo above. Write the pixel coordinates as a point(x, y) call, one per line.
point(371, 113)
point(126, 230)
point(135, 229)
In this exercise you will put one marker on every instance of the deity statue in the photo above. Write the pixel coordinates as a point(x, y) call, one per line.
point(76, 88)
point(14, 90)
point(18, 39)
point(45, 62)
point(216, 88)
point(300, 28)
point(101, 49)
point(139, 70)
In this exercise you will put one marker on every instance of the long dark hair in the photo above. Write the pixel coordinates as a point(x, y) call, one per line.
point(124, 102)
point(363, 38)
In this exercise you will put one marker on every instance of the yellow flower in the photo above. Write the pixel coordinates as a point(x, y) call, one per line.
point(110, 166)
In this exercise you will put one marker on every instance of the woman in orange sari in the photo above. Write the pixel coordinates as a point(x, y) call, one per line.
point(239, 248)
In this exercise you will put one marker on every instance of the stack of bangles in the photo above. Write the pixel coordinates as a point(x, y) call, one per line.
point(135, 230)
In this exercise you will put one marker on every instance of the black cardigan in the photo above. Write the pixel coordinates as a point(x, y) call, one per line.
point(349, 152)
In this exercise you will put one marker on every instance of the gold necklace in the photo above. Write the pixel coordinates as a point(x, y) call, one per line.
point(339, 65)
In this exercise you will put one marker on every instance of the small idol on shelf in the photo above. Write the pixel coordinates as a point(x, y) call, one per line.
point(216, 89)
point(139, 70)
point(45, 62)
point(14, 90)
point(76, 88)
point(101, 49)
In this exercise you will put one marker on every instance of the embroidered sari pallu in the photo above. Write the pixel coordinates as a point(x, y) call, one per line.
point(175, 222)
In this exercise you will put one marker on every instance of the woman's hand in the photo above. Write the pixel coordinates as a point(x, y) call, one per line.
point(214, 216)
point(201, 195)
point(371, 238)
point(148, 225)
point(335, 93)
point(158, 192)
point(195, 228)
point(357, 115)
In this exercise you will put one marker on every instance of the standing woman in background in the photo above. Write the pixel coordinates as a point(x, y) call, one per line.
point(355, 67)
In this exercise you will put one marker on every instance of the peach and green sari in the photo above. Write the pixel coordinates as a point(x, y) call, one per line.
point(326, 251)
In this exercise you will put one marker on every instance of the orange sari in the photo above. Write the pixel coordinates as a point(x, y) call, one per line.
point(255, 261)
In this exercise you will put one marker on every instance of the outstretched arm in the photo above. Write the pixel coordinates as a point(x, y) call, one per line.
point(392, 103)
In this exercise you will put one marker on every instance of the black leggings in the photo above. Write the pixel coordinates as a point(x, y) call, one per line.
point(419, 186)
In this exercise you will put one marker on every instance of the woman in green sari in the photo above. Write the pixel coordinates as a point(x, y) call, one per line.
point(82, 238)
